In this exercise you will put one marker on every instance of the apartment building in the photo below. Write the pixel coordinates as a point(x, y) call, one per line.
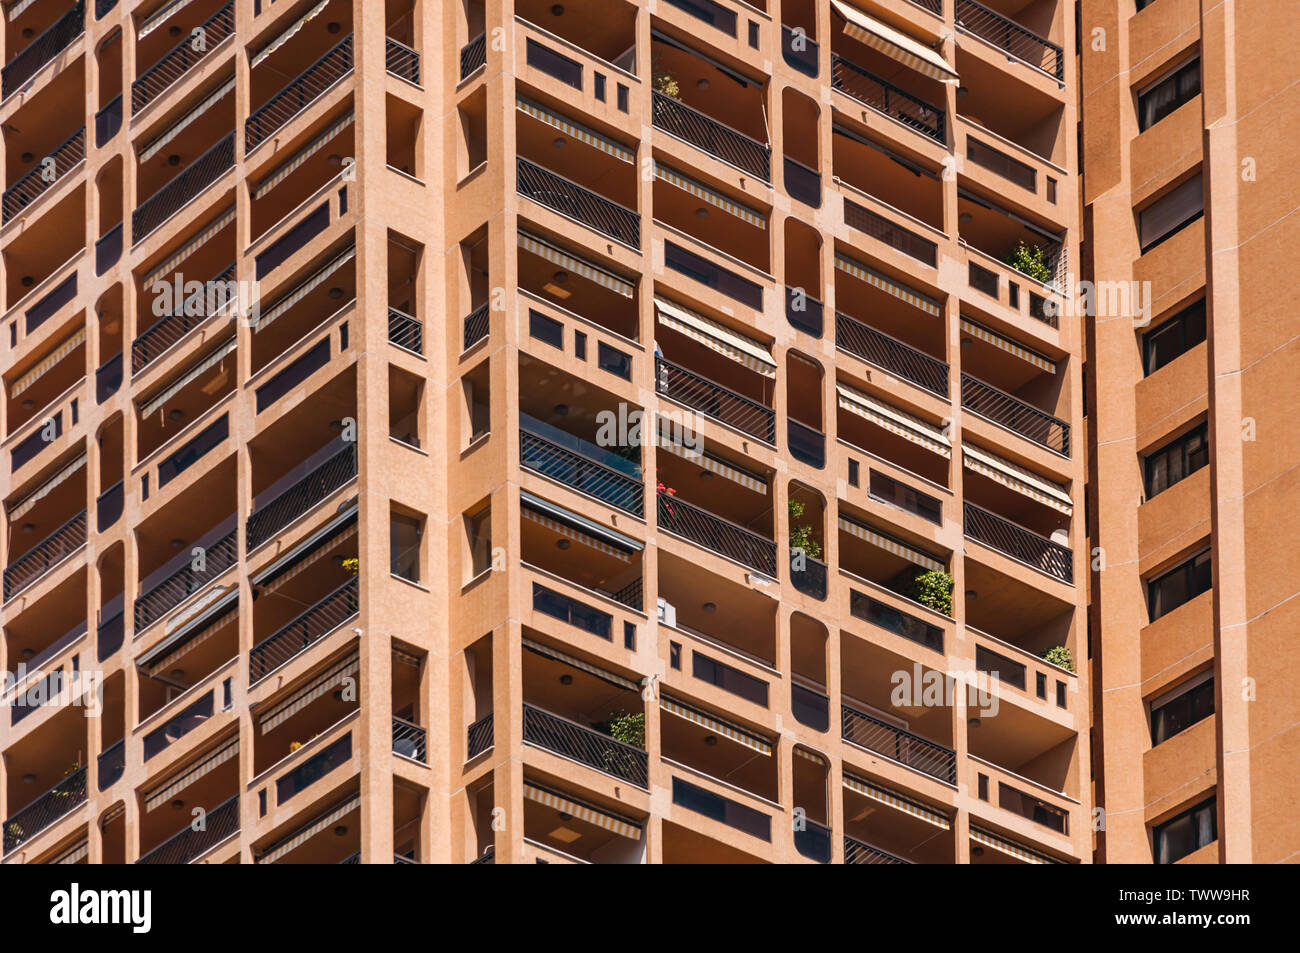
point(514, 431)
point(1188, 191)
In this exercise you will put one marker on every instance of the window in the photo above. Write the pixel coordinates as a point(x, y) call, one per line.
point(1166, 94)
point(1181, 708)
point(613, 361)
point(1174, 337)
point(404, 533)
point(1181, 584)
point(1186, 833)
point(1143, 4)
point(1171, 212)
point(546, 329)
point(1177, 460)
point(478, 540)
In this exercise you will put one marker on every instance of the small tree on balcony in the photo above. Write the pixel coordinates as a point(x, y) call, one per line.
point(664, 81)
point(933, 589)
point(1030, 260)
point(1060, 656)
point(801, 537)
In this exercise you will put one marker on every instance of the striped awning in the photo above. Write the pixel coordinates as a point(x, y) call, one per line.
point(896, 421)
point(887, 285)
point(578, 266)
point(175, 785)
point(579, 664)
point(301, 699)
point(269, 579)
point(201, 239)
point(890, 544)
point(307, 287)
point(577, 536)
point(309, 561)
point(718, 337)
point(1010, 848)
point(705, 194)
point(193, 634)
point(894, 43)
point(112, 814)
point(896, 801)
point(311, 830)
point(1017, 478)
point(305, 153)
point(1006, 344)
point(161, 16)
point(575, 130)
point(578, 528)
point(212, 360)
point(809, 755)
point(602, 819)
point(18, 9)
point(156, 146)
point(59, 353)
point(716, 725)
point(711, 463)
point(44, 490)
point(288, 34)
point(76, 855)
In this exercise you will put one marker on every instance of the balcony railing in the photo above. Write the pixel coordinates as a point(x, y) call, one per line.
point(405, 331)
point(1014, 414)
point(112, 763)
point(856, 852)
point(809, 707)
point(181, 58)
point(573, 463)
point(1018, 543)
point(586, 746)
point(476, 326)
point(330, 758)
point(883, 96)
point(301, 92)
point(1011, 37)
point(108, 249)
point(869, 609)
point(1033, 808)
point(814, 841)
point(108, 507)
point(806, 444)
point(45, 555)
point(808, 575)
point(803, 183)
point(179, 725)
point(899, 745)
point(297, 635)
point(45, 810)
point(111, 632)
point(38, 180)
point(167, 330)
point(160, 599)
point(581, 204)
point(804, 311)
point(892, 234)
point(44, 48)
point(716, 138)
point(108, 121)
point(271, 517)
point(188, 844)
point(479, 737)
point(876, 347)
point(715, 400)
point(799, 52)
point(402, 61)
point(999, 163)
point(410, 741)
point(717, 534)
point(108, 378)
point(473, 55)
point(183, 189)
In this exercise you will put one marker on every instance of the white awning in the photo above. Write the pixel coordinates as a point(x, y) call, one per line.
point(288, 34)
point(885, 796)
point(311, 830)
point(890, 545)
point(161, 16)
point(18, 9)
point(76, 855)
point(575, 130)
point(705, 194)
point(900, 291)
point(716, 725)
point(610, 822)
point(1006, 344)
point(1017, 478)
point(307, 151)
point(307, 287)
point(895, 44)
point(58, 354)
point(210, 620)
point(711, 463)
point(215, 358)
point(743, 350)
point(809, 755)
point(168, 266)
point(579, 664)
point(42, 491)
point(213, 761)
point(579, 266)
point(318, 687)
point(896, 421)
point(1010, 848)
point(156, 146)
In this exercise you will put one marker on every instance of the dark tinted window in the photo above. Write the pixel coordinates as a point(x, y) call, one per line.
point(1178, 460)
point(1182, 711)
point(1174, 337)
point(1158, 101)
point(1181, 584)
point(1186, 833)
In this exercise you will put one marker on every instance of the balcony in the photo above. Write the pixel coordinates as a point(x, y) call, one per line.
point(1010, 37)
point(884, 97)
point(714, 533)
point(804, 313)
point(475, 326)
point(300, 633)
point(188, 719)
point(44, 48)
point(856, 852)
point(66, 156)
point(402, 61)
point(1015, 415)
point(298, 94)
point(330, 758)
point(45, 555)
point(405, 331)
point(722, 809)
point(810, 707)
point(580, 465)
point(801, 56)
point(159, 599)
point(188, 845)
point(473, 55)
point(580, 204)
point(323, 481)
point(808, 575)
point(410, 741)
point(45, 810)
point(108, 506)
point(876, 347)
point(586, 746)
point(890, 233)
point(111, 763)
point(714, 137)
point(181, 58)
point(899, 745)
point(185, 317)
point(111, 632)
point(814, 841)
point(713, 399)
point(108, 249)
point(479, 737)
point(1020, 544)
point(183, 189)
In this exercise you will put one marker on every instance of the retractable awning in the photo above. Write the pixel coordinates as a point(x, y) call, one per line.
point(579, 664)
point(311, 830)
point(307, 151)
point(288, 34)
point(75, 855)
point(578, 528)
point(883, 795)
point(42, 491)
point(579, 266)
point(713, 464)
point(190, 116)
point(1017, 478)
point(213, 359)
point(896, 421)
point(168, 266)
point(602, 819)
point(718, 337)
point(809, 755)
point(190, 635)
point(304, 289)
point(716, 725)
point(888, 285)
point(164, 793)
point(706, 194)
point(309, 560)
point(18, 9)
point(890, 544)
point(1006, 344)
point(575, 130)
point(894, 43)
point(59, 353)
point(1010, 848)
point(161, 16)
point(308, 694)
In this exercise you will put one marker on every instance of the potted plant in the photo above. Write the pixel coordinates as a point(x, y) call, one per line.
point(933, 589)
point(1059, 656)
point(1030, 260)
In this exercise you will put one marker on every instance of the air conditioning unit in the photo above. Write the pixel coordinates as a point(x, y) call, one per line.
point(667, 613)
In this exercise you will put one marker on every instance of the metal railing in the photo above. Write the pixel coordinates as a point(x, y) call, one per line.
point(45, 555)
point(720, 535)
point(410, 740)
point(44, 48)
point(479, 737)
point(1019, 543)
point(190, 718)
point(883, 96)
point(581, 473)
point(876, 347)
point(715, 400)
point(586, 746)
point(808, 575)
point(632, 595)
point(298, 634)
point(1015, 415)
point(37, 181)
point(568, 198)
point(856, 852)
point(473, 55)
point(183, 189)
point(184, 582)
point(45, 810)
point(181, 58)
point(714, 137)
point(899, 744)
point(301, 92)
point(112, 763)
point(814, 841)
point(167, 330)
point(274, 515)
point(891, 233)
point(476, 326)
point(402, 61)
point(103, 6)
point(1011, 37)
point(188, 844)
point(405, 331)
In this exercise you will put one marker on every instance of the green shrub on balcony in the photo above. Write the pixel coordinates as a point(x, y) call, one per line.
point(801, 537)
point(1059, 656)
point(1030, 260)
point(933, 589)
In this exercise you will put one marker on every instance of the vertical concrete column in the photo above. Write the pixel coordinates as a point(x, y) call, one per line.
point(507, 726)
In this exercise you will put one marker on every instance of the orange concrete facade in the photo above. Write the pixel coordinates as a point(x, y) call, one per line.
point(705, 372)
